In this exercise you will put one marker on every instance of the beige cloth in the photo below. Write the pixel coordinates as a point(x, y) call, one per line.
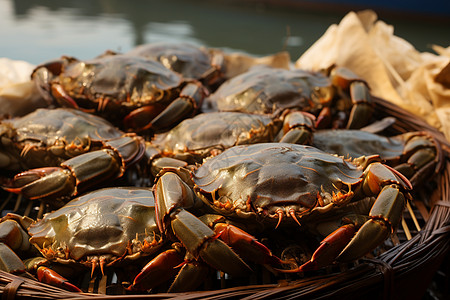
point(416, 81)
point(18, 94)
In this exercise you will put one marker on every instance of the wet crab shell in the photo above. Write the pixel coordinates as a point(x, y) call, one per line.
point(358, 143)
point(264, 89)
point(102, 222)
point(42, 138)
point(120, 81)
point(187, 59)
point(218, 130)
point(262, 178)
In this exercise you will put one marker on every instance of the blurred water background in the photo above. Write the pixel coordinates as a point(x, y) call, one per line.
point(41, 30)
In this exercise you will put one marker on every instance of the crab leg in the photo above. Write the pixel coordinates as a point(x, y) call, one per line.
point(362, 109)
point(423, 154)
point(184, 106)
point(343, 244)
point(80, 172)
point(159, 117)
point(173, 197)
point(298, 127)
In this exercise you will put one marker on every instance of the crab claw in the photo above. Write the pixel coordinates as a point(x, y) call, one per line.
point(9, 261)
point(386, 214)
point(42, 182)
point(201, 241)
point(329, 249)
point(80, 172)
point(49, 276)
point(14, 240)
point(159, 270)
point(158, 117)
point(191, 97)
point(245, 244)
point(346, 243)
point(192, 274)
point(172, 196)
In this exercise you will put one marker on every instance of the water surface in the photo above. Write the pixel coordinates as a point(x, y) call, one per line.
point(40, 30)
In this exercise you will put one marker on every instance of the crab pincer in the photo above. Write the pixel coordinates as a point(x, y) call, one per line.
point(78, 173)
point(49, 276)
point(173, 198)
point(158, 271)
point(130, 91)
point(352, 241)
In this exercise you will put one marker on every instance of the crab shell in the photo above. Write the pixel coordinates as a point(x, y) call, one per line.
point(264, 89)
point(102, 222)
point(358, 143)
point(47, 137)
point(113, 84)
point(217, 131)
point(187, 59)
point(261, 179)
point(415, 154)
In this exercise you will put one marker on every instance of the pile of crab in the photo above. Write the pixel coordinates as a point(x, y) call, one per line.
point(154, 171)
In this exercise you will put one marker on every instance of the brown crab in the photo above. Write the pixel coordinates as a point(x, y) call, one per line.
point(130, 91)
point(417, 155)
point(279, 184)
point(211, 133)
point(339, 99)
point(105, 228)
point(63, 151)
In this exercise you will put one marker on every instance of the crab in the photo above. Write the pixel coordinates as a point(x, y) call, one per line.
point(338, 100)
point(273, 185)
point(105, 228)
point(111, 228)
point(417, 155)
point(209, 134)
point(132, 92)
point(62, 152)
point(189, 60)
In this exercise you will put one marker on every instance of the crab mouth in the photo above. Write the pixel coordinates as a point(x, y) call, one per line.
point(262, 207)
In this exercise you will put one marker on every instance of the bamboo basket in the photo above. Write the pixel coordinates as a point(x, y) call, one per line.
point(402, 268)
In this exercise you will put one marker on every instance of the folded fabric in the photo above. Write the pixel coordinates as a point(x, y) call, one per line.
point(18, 94)
point(395, 71)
